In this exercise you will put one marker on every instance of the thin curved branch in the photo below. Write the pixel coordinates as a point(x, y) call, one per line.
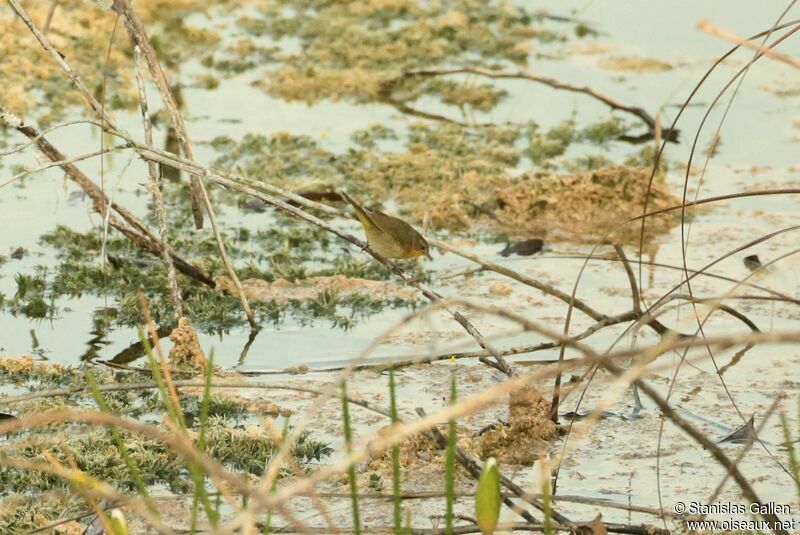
point(640, 113)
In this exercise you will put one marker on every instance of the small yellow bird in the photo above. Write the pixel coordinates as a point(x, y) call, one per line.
point(389, 236)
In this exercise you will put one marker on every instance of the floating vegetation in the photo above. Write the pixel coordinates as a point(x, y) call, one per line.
point(450, 171)
point(358, 50)
point(295, 256)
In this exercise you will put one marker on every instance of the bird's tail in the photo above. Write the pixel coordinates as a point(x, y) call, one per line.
point(361, 213)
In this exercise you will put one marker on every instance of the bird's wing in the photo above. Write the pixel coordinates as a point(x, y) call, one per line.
point(393, 226)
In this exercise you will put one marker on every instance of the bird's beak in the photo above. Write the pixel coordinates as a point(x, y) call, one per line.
point(428, 254)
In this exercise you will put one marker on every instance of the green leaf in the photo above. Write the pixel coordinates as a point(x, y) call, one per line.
point(487, 497)
point(117, 522)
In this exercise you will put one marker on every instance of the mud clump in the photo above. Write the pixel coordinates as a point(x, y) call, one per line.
point(584, 206)
point(187, 351)
point(528, 433)
point(282, 290)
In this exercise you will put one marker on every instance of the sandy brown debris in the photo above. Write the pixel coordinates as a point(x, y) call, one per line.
point(187, 350)
point(282, 290)
point(528, 433)
point(29, 365)
point(584, 206)
point(419, 456)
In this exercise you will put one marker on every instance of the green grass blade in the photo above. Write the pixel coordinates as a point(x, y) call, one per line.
point(398, 502)
point(123, 450)
point(155, 369)
point(351, 472)
point(794, 462)
point(450, 462)
point(547, 501)
point(201, 439)
point(176, 416)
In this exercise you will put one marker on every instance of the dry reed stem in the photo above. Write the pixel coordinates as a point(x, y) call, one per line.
point(569, 498)
point(155, 187)
point(162, 361)
point(60, 163)
point(138, 35)
point(706, 26)
point(139, 38)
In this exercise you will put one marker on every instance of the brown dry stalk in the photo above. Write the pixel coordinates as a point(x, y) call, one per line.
point(706, 26)
point(155, 187)
point(74, 159)
point(138, 36)
point(151, 328)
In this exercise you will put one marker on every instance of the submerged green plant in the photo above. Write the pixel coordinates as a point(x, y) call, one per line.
point(298, 252)
point(31, 298)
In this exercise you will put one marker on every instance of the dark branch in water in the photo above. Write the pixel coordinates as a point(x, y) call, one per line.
point(641, 113)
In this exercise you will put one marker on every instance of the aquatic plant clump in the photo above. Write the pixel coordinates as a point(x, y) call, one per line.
point(213, 309)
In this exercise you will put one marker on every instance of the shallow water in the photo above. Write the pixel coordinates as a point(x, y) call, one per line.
point(758, 150)
point(758, 133)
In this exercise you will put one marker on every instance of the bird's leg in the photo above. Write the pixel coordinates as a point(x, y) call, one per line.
point(637, 401)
